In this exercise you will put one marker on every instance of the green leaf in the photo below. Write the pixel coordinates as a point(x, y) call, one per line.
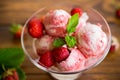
point(72, 23)
point(58, 42)
point(70, 40)
point(1, 70)
point(0, 77)
point(11, 57)
point(15, 27)
point(21, 74)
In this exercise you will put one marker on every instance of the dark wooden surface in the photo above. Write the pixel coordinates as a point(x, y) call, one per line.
point(17, 11)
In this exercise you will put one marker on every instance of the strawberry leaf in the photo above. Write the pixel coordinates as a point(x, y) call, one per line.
point(21, 74)
point(0, 77)
point(11, 57)
point(71, 26)
point(70, 40)
point(15, 28)
point(58, 42)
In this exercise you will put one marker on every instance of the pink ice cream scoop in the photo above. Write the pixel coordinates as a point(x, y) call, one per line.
point(91, 40)
point(82, 22)
point(74, 62)
point(44, 44)
point(55, 22)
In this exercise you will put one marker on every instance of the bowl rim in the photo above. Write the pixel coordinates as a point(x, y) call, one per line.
point(67, 72)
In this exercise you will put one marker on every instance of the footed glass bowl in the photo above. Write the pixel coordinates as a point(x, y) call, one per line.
point(28, 44)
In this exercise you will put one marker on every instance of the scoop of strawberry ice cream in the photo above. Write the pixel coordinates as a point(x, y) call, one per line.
point(82, 21)
point(74, 62)
point(91, 40)
point(43, 44)
point(55, 22)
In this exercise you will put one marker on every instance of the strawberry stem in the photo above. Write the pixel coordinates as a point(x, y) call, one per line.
point(3, 67)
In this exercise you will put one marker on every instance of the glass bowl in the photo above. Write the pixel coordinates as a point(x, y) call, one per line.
point(28, 43)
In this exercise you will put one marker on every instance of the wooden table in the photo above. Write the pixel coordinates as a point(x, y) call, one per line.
point(17, 11)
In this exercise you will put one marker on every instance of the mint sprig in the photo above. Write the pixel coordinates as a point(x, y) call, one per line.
point(72, 23)
point(71, 27)
point(58, 42)
point(70, 40)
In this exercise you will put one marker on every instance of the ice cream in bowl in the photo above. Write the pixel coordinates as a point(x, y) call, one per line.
point(65, 42)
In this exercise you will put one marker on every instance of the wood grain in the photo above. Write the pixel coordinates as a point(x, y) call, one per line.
point(18, 11)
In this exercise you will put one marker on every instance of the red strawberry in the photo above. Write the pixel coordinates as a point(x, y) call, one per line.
point(60, 54)
point(112, 48)
point(114, 45)
point(76, 10)
point(46, 59)
point(10, 74)
point(9, 78)
point(118, 13)
point(16, 29)
point(18, 33)
point(35, 28)
point(15, 75)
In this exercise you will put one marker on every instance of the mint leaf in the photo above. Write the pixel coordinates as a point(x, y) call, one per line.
point(70, 40)
point(21, 74)
point(11, 57)
point(58, 42)
point(72, 23)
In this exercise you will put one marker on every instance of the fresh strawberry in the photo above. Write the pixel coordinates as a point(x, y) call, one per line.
point(118, 13)
point(114, 45)
point(10, 74)
point(46, 59)
point(35, 28)
point(9, 78)
point(112, 48)
point(60, 54)
point(18, 34)
point(16, 77)
point(16, 29)
point(76, 10)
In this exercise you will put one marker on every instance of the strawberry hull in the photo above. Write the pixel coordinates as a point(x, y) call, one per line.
point(10, 74)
